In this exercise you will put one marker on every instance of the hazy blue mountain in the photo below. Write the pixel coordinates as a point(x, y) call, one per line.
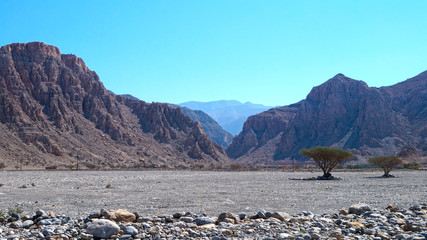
point(230, 114)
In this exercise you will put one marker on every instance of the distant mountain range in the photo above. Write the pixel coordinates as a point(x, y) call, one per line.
point(343, 113)
point(54, 111)
point(230, 114)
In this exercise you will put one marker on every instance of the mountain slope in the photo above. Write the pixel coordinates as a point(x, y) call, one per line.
point(229, 114)
point(55, 111)
point(343, 113)
point(211, 127)
point(215, 132)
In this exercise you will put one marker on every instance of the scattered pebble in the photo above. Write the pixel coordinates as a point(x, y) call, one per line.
point(360, 221)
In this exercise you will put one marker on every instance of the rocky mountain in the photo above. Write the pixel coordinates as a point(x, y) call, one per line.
point(344, 113)
point(211, 127)
point(54, 111)
point(230, 114)
point(215, 132)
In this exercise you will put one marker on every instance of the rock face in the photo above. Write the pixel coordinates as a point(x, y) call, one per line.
point(343, 113)
point(55, 111)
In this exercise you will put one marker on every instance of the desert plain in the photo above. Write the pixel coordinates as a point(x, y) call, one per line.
point(76, 193)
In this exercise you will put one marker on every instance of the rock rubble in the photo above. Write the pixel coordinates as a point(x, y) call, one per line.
point(359, 222)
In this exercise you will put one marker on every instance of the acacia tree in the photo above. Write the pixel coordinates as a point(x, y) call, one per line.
point(387, 163)
point(327, 158)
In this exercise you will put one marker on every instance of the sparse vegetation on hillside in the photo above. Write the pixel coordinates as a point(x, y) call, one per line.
point(327, 158)
point(387, 163)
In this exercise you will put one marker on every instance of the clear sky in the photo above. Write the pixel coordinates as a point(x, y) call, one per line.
point(267, 52)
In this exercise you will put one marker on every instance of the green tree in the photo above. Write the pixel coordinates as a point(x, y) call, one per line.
point(387, 163)
point(327, 158)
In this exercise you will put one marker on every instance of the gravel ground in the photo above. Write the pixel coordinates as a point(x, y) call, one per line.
point(76, 193)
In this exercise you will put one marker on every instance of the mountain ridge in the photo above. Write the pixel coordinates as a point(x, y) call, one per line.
point(341, 112)
point(209, 125)
point(57, 112)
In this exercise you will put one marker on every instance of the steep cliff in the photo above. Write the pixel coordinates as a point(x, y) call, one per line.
point(55, 111)
point(343, 113)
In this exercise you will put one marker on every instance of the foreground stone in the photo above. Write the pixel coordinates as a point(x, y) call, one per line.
point(359, 208)
point(121, 216)
point(360, 222)
point(103, 228)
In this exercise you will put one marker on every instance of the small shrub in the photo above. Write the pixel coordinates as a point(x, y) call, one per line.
point(182, 166)
point(199, 166)
point(108, 186)
point(1, 184)
point(33, 184)
point(91, 166)
point(23, 186)
point(69, 166)
point(16, 209)
point(2, 214)
point(411, 165)
point(2, 165)
point(235, 166)
point(137, 165)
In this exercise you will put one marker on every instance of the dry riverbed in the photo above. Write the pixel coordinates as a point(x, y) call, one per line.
point(77, 193)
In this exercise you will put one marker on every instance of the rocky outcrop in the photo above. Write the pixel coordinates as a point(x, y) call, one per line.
point(343, 113)
point(57, 111)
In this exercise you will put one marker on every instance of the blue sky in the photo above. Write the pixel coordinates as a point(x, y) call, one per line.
point(268, 52)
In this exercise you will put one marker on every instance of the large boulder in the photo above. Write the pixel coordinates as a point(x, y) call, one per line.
point(121, 215)
point(282, 216)
point(227, 217)
point(359, 208)
point(103, 228)
point(203, 221)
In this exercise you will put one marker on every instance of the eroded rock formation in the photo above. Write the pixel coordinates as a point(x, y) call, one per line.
point(55, 111)
point(343, 113)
